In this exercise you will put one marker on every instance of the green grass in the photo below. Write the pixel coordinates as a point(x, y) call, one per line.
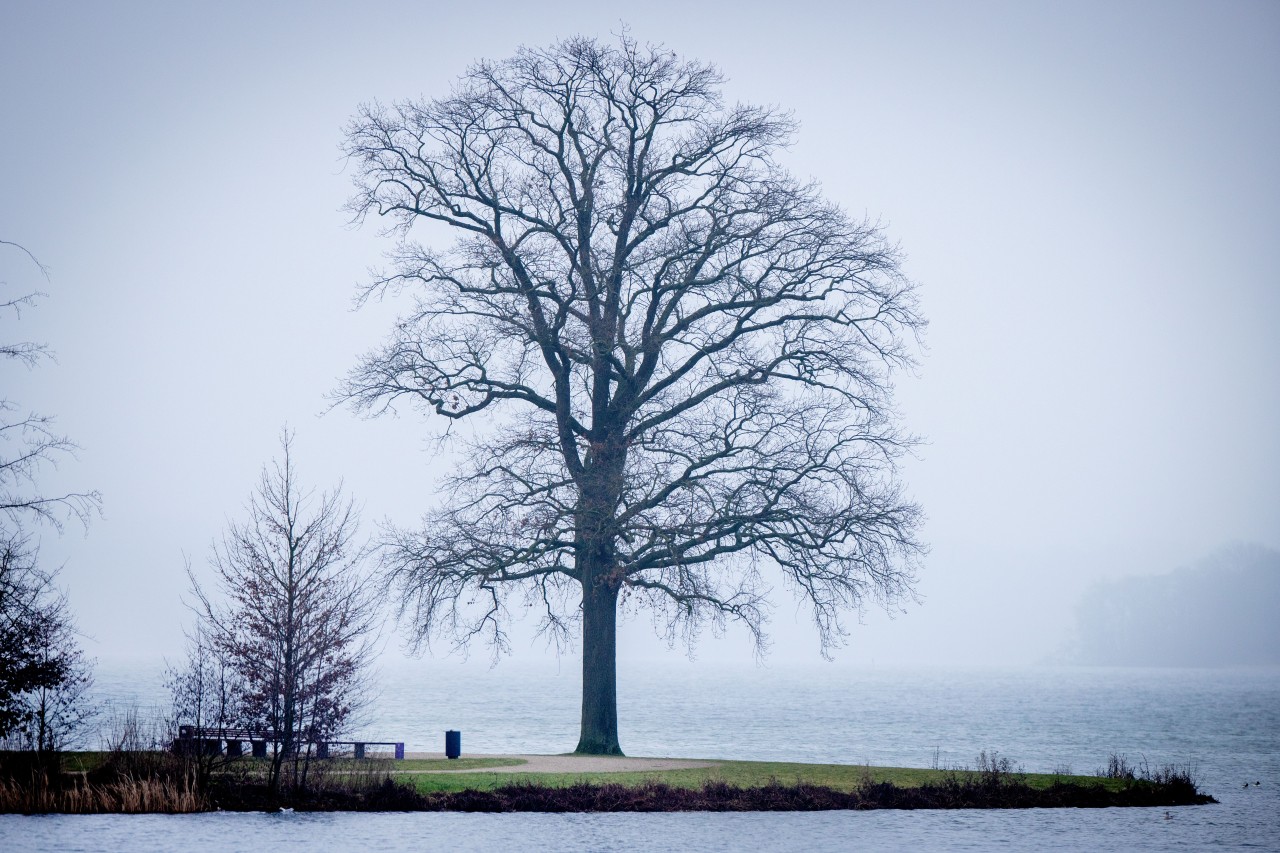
point(75, 762)
point(744, 774)
point(417, 764)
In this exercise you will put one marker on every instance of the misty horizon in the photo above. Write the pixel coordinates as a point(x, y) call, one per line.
point(1086, 198)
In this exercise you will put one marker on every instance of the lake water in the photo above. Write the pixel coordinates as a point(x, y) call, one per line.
point(1224, 723)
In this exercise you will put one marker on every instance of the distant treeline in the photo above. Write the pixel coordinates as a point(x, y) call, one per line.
point(1221, 611)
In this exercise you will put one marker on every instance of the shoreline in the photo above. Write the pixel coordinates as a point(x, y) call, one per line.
point(159, 782)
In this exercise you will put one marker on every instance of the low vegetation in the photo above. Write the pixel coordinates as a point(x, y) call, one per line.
point(135, 782)
point(100, 783)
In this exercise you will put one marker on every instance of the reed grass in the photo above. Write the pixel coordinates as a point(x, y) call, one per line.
point(39, 794)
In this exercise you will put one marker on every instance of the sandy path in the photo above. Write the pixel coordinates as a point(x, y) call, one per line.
point(568, 764)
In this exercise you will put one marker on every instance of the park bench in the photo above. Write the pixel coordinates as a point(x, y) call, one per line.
point(208, 741)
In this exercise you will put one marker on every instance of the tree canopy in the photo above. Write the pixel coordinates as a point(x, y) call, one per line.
point(676, 356)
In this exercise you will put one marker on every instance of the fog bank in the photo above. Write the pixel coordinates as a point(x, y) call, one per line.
point(1220, 611)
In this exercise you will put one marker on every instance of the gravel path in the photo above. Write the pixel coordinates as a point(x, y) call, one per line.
point(569, 764)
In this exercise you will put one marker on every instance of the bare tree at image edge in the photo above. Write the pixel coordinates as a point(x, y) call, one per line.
point(675, 356)
point(293, 630)
point(45, 676)
point(28, 441)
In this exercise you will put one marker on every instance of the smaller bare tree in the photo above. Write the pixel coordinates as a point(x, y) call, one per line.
point(206, 692)
point(60, 712)
point(298, 616)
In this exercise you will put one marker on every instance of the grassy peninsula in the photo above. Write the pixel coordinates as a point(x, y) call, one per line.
point(159, 782)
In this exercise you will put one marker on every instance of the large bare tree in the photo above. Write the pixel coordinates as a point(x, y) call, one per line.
point(676, 357)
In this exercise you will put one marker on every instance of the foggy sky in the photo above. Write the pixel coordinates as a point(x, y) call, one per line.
point(1087, 193)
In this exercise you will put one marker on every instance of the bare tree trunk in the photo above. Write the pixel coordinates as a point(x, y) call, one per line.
point(279, 745)
point(290, 747)
point(599, 668)
point(43, 741)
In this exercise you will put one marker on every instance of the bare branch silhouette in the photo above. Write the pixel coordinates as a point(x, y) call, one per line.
point(28, 442)
point(677, 357)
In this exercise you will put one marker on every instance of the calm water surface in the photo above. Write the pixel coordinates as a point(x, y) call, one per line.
point(1224, 723)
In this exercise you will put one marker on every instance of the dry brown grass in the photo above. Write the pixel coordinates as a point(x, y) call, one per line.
point(78, 795)
point(40, 787)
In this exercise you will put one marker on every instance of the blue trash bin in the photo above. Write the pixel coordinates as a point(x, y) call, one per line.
point(452, 744)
